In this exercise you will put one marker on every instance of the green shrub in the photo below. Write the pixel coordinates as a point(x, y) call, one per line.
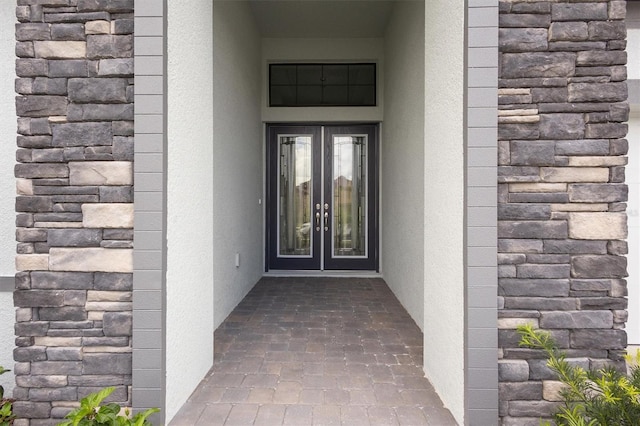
point(91, 413)
point(6, 405)
point(605, 397)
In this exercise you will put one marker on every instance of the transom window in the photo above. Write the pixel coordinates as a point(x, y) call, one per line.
point(322, 85)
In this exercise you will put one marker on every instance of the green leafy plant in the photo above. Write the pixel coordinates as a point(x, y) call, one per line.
point(6, 405)
point(91, 413)
point(605, 397)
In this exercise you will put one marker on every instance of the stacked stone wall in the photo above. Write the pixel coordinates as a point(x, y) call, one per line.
point(74, 204)
point(562, 197)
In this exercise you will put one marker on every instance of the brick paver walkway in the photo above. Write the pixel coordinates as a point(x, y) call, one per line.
point(316, 351)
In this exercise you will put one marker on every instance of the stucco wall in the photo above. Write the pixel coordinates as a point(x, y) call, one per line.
point(190, 200)
point(237, 155)
point(633, 172)
point(7, 184)
point(402, 153)
point(444, 257)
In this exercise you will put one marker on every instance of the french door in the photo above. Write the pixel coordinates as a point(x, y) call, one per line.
point(322, 197)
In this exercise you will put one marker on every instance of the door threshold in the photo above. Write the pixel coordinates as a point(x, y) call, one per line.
point(305, 273)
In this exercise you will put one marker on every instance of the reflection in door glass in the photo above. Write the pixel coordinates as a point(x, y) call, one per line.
point(349, 195)
point(294, 191)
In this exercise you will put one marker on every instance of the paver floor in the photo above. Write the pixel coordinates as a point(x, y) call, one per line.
point(316, 351)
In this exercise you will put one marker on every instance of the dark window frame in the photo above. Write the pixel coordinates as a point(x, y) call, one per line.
point(368, 101)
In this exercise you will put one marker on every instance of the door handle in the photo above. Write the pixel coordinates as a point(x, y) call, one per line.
point(326, 221)
point(317, 221)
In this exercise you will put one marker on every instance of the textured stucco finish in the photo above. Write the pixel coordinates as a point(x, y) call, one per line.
point(444, 208)
point(189, 200)
point(7, 185)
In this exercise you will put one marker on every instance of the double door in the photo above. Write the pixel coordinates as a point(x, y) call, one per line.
point(322, 197)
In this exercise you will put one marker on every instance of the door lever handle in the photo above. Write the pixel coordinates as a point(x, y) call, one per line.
point(326, 221)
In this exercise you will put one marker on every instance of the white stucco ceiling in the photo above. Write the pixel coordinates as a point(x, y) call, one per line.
point(314, 18)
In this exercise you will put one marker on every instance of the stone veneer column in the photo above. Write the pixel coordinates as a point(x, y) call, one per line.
point(562, 221)
point(74, 205)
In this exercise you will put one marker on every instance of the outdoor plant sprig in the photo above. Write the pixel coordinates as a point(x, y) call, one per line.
point(605, 397)
point(6, 405)
point(91, 413)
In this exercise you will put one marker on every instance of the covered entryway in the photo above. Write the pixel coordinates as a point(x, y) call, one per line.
point(322, 197)
point(201, 201)
point(302, 351)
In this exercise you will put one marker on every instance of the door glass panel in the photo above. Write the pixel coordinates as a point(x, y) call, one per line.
point(294, 193)
point(349, 193)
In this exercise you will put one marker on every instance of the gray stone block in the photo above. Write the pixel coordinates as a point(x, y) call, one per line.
point(607, 30)
point(543, 271)
point(68, 68)
point(602, 303)
point(513, 370)
point(577, 319)
point(29, 354)
point(519, 246)
point(534, 229)
point(533, 408)
point(74, 237)
point(115, 67)
point(38, 298)
point(535, 7)
point(562, 126)
point(53, 394)
point(123, 26)
point(31, 410)
point(76, 17)
point(523, 211)
point(25, 49)
point(568, 31)
point(64, 313)
point(603, 339)
point(113, 281)
point(30, 31)
point(67, 32)
point(109, 46)
point(579, 12)
point(541, 303)
point(598, 193)
point(49, 86)
point(82, 134)
point(34, 142)
point(107, 363)
point(553, 94)
point(100, 112)
point(113, 6)
point(116, 194)
point(117, 323)
point(575, 246)
point(64, 354)
point(92, 90)
point(604, 92)
point(582, 147)
point(105, 341)
point(533, 287)
point(541, 371)
point(612, 130)
point(35, 328)
point(601, 57)
point(57, 367)
point(532, 153)
point(522, 39)
point(33, 204)
point(538, 64)
point(524, 20)
point(41, 105)
point(511, 391)
point(31, 67)
point(602, 266)
point(31, 234)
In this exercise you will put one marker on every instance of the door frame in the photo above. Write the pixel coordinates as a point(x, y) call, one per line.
point(369, 265)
